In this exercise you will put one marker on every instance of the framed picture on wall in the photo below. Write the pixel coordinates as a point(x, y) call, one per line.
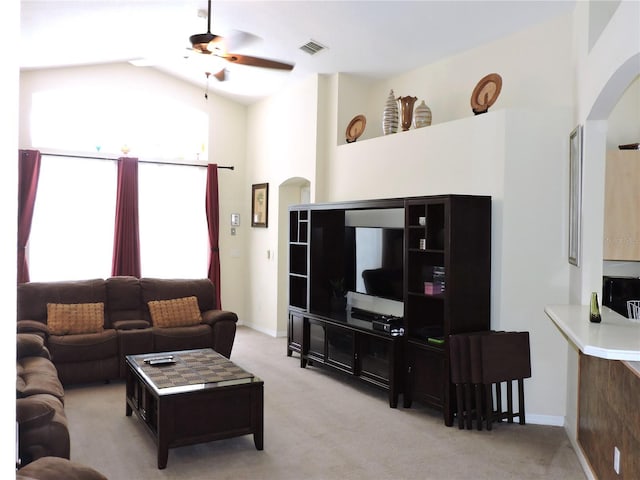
point(575, 195)
point(260, 205)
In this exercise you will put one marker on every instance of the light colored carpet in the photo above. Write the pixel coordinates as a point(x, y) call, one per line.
point(318, 425)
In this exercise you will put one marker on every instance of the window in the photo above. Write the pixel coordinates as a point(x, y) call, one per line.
point(72, 229)
point(174, 240)
point(73, 224)
point(90, 121)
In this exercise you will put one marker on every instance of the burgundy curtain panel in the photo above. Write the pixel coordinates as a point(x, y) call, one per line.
point(126, 236)
point(28, 173)
point(213, 222)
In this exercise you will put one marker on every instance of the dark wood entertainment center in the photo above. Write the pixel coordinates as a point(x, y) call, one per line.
point(407, 354)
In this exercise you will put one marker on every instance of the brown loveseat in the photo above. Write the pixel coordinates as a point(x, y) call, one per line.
point(127, 326)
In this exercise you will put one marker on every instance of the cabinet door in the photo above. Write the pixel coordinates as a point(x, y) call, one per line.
point(375, 358)
point(621, 206)
point(340, 348)
point(316, 341)
point(295, 333)
point(426, 374)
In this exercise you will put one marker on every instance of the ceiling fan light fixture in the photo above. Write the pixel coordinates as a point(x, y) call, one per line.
point(214, 45)
point(201, 41)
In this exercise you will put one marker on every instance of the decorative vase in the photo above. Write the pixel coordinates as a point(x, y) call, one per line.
point(390, 115)
point(406, 104)
point(594, 310)
point(422, 116)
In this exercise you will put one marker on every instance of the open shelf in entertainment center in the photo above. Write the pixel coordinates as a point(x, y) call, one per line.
point(445, 289)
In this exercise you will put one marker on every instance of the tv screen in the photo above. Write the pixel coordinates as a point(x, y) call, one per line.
point(374, 263)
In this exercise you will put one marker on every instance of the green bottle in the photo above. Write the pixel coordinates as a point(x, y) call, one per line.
point(594, 310)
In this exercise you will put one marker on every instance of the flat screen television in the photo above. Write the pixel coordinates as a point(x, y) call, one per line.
point(374, 261)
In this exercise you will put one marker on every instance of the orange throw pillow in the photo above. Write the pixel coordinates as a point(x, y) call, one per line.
point(74, 318)
point(177, 312)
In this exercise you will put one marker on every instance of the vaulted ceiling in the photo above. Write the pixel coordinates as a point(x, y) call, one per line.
point(369, 38)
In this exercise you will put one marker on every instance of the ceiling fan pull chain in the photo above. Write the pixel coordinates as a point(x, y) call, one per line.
point(206, 93)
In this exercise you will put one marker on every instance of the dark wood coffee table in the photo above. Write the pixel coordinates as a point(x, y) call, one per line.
point(198, 397)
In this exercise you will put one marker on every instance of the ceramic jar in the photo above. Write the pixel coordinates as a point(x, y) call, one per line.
point(422, 116)
point(406, 104)
point(390, 115)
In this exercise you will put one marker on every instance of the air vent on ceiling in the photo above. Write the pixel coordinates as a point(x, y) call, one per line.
point(312, 47)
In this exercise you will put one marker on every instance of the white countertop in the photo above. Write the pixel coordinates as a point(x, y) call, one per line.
point(615, 338)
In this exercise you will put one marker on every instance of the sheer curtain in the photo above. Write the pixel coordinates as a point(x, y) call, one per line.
point(174, 240)
point(72, 230)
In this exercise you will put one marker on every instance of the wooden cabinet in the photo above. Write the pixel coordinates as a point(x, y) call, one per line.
point(353, 347)
point(448, 287)
point(621, 206)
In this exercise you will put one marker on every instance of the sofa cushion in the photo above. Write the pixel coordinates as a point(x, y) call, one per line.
point(32, 297)
point(33, 412)
point(83, 347)
point(168, 288)
point(30, 345)
point(42, 438)
point(182, 338)
point(177, 312)
point(74, 318)
point(37, 375)
point(124, 300)
point(55, 468)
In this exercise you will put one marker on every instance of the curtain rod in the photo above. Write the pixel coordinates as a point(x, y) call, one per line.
point(231, 167)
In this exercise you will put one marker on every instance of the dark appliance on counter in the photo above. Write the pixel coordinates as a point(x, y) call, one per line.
point(616, 291)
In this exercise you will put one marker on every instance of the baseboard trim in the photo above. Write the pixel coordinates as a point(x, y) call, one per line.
point(266, 331)
point(551, 420)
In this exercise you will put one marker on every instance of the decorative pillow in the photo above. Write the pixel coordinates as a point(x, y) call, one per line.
point(177, 312)
point(73, 318)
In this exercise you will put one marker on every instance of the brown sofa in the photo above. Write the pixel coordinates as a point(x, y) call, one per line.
point(43, 435)
point(55, 468)
point(40, 417)
point(128, 326)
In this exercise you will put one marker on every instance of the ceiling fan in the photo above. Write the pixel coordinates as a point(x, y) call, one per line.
point(211, 44)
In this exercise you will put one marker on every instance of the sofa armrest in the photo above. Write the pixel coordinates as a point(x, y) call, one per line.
point(211, 317)
point(131, 324)
point(32, 326)
point(223, 327)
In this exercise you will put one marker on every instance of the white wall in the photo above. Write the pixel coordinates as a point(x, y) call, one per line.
point(603, 74)
point(623, 125)
point(535, 66)
point(227, 123)
point(281, 144)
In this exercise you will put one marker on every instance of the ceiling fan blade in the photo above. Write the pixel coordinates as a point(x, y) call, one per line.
point(256, 61)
